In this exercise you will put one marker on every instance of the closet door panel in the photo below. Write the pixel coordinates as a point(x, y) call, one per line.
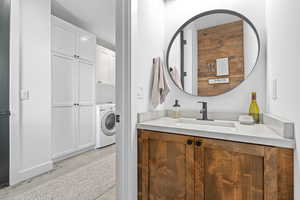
point(86, 84)
point(63, 82)
point(102, 63)
point(63, 39)
point(63, 131)
point(86, 124)
point(86, 44)
point(111, 70)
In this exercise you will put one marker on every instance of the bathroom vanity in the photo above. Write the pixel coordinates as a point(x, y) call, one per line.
point(213, 160)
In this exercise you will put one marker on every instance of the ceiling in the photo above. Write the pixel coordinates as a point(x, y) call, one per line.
point(96, 16)
point(212, 20)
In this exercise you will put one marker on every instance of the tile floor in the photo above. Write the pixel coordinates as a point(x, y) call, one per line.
point(60, 169)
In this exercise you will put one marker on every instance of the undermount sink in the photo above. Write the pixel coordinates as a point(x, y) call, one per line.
point(206, 123)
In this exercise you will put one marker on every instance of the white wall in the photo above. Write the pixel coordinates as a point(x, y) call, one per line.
point(174, 55)
point(179, 11)
point(33, 145)
point(147, 43)
point(250, 49)
point(283, 30)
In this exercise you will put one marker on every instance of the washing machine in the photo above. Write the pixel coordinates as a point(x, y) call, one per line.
point(106, 125)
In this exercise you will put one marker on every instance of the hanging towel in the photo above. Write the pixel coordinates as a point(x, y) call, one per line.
point(163, 84)
point(160, 88)
point(176, 77)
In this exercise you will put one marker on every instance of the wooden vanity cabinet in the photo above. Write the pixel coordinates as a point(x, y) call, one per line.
point(178, 167)
point(167, 168)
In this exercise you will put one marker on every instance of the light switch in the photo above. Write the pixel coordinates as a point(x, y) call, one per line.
point(222, 66)
point(24, 94)
point(275, 89)
point(140, 92)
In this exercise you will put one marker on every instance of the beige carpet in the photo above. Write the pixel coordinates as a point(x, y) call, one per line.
point(109, 195)
point(86, 183)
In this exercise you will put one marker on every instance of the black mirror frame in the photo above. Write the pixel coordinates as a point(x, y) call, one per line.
point(216, 11)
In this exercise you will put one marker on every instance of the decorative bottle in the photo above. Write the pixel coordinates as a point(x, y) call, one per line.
point(254, 109)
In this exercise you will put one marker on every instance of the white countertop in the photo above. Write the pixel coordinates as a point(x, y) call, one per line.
point(255, 134)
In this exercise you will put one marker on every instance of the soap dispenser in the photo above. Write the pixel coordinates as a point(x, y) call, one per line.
point(176, 110)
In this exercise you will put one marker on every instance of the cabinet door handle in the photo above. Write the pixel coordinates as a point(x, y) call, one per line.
point(198, 143)
point(190, 142)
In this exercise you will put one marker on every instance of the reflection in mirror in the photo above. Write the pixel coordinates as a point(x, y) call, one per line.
point(213, 54)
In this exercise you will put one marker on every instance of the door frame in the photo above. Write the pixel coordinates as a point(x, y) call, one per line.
point(126, 182)
point(15, 103)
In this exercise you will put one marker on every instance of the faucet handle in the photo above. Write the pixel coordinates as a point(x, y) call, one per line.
point(203, 102)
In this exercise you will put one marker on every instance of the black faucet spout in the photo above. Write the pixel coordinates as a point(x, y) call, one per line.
point(203, 111)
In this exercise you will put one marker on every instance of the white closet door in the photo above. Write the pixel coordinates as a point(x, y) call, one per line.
point(86, 100)
point(105, 63)
point(63, 39)
point(102, 64)
point(86, 44)
point(63, 80)
point(86, 84)
point(63, 131)
point(86, 123)
point(112, 67)
point(73, 85)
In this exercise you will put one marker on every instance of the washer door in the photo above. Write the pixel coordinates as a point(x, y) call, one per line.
point(108, 124)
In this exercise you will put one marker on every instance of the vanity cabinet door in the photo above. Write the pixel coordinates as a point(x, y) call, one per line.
point(231, 170)
point(166, 166)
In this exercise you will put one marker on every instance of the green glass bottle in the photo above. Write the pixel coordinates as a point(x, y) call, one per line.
point(254, 109)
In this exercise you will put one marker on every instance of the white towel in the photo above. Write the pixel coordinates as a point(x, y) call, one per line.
point(176, 77)
point(160, 88)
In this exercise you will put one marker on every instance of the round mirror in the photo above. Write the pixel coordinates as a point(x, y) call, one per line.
point(213, 52)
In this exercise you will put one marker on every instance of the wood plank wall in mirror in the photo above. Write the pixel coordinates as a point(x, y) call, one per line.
point(222, 41)
point(213, 53)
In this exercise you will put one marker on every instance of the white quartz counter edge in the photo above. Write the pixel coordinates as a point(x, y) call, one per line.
point(276, 142)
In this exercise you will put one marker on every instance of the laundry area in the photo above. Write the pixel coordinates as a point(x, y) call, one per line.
point(69, 151)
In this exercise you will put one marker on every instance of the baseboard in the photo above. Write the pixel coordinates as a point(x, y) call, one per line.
point(34, 171)
point(75, 153)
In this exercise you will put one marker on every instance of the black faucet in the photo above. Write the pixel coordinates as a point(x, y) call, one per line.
point(203, 111)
